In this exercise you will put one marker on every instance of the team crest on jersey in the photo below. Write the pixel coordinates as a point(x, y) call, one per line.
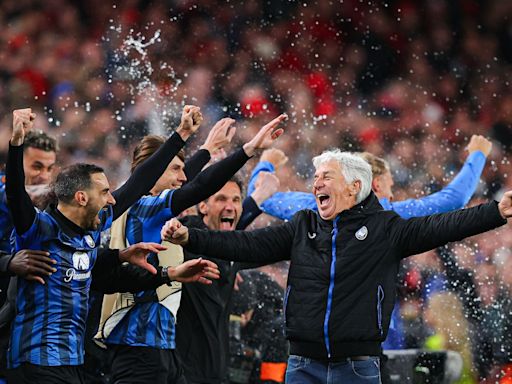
point(90, 242)
point(80, 270)
point(362, 233)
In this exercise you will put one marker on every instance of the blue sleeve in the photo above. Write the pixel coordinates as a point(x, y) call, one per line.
point(5, 222)
point(396, 333)
point(454, 196)
point(262, 166)
point(106, 217)
point(149, 208)
point(147, 216)
point(282, 205)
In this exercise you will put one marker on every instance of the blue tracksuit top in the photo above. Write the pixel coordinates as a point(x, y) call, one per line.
point(455, 195)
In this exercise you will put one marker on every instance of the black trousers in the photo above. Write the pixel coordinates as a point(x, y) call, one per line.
point(145, 365)
point(29, 374)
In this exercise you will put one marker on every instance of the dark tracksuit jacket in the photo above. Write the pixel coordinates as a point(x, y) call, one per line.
point(342, 278)
point(202, 327)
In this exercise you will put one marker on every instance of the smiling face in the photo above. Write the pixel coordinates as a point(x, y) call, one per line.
point(38, 165)
point(97, 198)
point(222, 210)
point(172, 178)
point(332, 193)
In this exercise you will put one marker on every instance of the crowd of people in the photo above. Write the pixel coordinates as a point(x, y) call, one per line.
point(416, 86)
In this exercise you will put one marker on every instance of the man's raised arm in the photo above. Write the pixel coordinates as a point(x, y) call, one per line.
point(148, 173)
point(282, 205)
point(421, 234)
point(213, 178)
point(269, 244)
point(457, 193)
point(218, 137)
point(22, 211)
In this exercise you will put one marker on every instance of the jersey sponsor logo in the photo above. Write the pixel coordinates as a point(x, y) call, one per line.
point(81, 264)
point(362, 233)
point(90, 242)
point(311, 235)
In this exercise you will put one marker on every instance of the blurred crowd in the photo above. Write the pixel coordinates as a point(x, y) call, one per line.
point(409, 81)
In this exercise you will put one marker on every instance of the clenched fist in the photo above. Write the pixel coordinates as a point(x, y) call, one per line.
point(22, 122)
point(174, 232)
point(191, 119)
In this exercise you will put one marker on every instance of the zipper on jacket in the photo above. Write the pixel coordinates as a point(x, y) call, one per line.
point(285, 303)
point(380, 299)
point(331, 287)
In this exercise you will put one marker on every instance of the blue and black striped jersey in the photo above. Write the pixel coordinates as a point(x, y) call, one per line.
point(50, 321)
point(5, 219)
point(147, 324)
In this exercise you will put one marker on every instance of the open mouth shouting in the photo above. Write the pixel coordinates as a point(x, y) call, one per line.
point(323, 199)
point(227, 223)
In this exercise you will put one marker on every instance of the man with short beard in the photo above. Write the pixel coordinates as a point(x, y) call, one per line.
point(47, 336)
point(202, 329)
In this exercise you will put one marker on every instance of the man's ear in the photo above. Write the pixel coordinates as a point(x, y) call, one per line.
point(202, 208)
point(81, 198)
point(355, 187)
point(376, 184)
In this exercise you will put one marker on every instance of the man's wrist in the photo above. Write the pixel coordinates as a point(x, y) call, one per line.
point(184, 134)
point(249, 149)
point(123, 255)
point(171, 273)
point(17, 141)
point(5, 263)
point(208, 148)
point(258, 197)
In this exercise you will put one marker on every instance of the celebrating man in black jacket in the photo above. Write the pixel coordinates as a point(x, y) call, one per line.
point(344, 263)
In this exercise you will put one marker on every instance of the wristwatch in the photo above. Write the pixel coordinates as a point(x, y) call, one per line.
point(164, 273)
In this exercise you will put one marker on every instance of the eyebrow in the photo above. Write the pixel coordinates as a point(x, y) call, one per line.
point(324, 173)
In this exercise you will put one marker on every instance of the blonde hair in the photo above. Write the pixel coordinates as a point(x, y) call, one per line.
point(378, 164)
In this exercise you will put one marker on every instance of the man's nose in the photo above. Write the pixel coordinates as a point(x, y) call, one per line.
point(229, 206)
point(111, 199)
point(45, 176)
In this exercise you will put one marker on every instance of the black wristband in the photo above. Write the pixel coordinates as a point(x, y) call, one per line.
point(164, 274)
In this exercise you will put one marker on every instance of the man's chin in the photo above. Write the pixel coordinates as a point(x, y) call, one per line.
point(94, 225)
point(326, 214)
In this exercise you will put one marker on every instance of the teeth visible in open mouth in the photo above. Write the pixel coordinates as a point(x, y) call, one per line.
point(322, 197)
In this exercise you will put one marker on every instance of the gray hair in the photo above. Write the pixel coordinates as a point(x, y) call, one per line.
point(353, 168)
